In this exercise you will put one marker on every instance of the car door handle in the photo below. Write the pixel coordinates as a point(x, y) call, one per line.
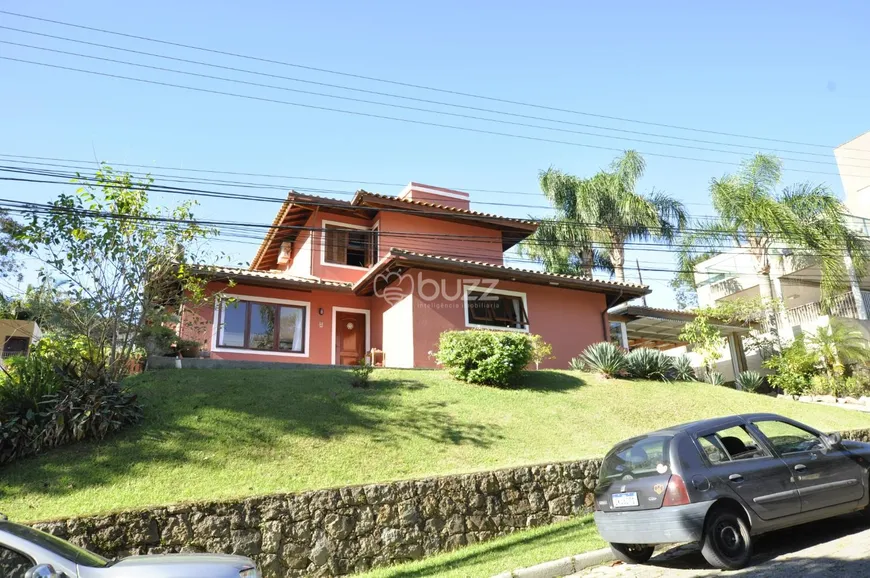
point(800, 468)
point(735, 478)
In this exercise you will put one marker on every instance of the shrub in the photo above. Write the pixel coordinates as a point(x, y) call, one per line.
point(541, 350)
point(645, 363)
point(604, 357)
point(750, 381)
point(682, 369)
point(26, 381)
point(716, 378)
point(361, 373)
point(793, 368)
point(484, 357)
point(84, 404)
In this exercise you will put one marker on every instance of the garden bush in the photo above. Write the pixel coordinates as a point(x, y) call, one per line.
point(76, 403)
point(682, 369)
point(751, 381)
point(484, 357)
point(645, 363)
point(793, 368)
point(604, 358)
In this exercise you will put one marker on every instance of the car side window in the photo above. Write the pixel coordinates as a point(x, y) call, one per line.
point(789, 439)
point(13, 564)
point(731, 444)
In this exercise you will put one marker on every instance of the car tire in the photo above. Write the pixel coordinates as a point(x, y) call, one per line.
point(632, 553)
point(727, 544)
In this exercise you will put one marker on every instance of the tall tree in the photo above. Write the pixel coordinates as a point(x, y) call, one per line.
point(10, 244)
point(754, 216)
point(125, 265)
point(596, 217)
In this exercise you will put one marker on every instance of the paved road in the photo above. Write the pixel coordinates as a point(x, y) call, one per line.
point(833, 548)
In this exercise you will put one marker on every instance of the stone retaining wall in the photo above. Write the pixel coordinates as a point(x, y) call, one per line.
point(339, 531)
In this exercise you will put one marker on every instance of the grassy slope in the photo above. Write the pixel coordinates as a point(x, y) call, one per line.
point(227, 433)
point(519, 550)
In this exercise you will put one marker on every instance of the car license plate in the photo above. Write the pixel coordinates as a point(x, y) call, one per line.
point(624, 500)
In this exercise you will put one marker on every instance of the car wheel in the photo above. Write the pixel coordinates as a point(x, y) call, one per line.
point(727, 544)
point(632, 553)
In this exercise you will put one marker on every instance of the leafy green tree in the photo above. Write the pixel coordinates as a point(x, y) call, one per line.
point(10, 246)
point(125, 266)
point(753, 215)
point(597, 216)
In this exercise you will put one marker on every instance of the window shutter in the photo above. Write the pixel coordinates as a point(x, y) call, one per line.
point(336, 246)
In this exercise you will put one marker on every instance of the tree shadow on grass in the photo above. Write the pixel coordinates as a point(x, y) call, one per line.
point(195, 415)
point(546, 380)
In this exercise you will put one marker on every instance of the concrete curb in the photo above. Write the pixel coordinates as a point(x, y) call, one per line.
point(562, 567)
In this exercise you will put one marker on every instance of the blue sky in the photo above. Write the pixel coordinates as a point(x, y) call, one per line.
point(786, 70)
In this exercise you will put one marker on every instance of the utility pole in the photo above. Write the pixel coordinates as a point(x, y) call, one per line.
point(640, 277)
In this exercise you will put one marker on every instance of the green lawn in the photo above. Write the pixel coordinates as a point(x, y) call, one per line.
point(519, 550)
point(214, 434)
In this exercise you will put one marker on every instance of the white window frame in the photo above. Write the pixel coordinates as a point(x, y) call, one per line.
point(217, 317)
point(365, 312)
point(466, 289)
point(323, 225)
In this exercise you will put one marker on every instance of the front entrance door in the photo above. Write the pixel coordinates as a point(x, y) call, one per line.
point(350, 337)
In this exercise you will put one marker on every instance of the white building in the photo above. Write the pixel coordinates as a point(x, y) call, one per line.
point(795, 281)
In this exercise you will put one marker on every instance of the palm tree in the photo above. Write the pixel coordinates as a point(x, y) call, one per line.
point(839, 344)
point(597, 216)
point(753, 216)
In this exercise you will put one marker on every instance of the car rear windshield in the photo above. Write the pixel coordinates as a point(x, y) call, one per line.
point(637, 458)
point(55, 545)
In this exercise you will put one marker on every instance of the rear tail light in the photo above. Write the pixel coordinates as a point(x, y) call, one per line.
point(676, 494)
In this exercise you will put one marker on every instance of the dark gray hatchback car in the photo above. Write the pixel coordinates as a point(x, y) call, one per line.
point(722, 481)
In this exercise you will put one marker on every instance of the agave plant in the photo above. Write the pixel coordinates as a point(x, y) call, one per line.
point(604, 357)
point(681, 369)
point(716, 378)
point(645, 363)
point(750, 381)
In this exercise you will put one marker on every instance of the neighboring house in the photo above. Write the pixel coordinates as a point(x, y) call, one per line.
point(795, 281)
point(17, 336)
point(333, 280)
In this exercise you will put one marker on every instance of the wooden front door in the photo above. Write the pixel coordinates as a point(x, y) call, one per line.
point(350, 337)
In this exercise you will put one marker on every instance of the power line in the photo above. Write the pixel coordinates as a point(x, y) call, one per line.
point(25, 207)
point(405, 84)
point(327, 203)
point(383, 117)
point(805, 279)
point(392, 95)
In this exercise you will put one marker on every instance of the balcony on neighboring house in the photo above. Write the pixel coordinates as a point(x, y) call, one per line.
point(841, 306)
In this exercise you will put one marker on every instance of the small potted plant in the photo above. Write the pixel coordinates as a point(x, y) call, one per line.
point(188, 347)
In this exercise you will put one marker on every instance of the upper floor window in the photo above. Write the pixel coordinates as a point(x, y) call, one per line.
point(498, 310)
point(349, 245)
point(262, 326)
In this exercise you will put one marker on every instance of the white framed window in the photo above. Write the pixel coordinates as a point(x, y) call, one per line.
point(261, 325)
point(495, 309)
point(351, 246)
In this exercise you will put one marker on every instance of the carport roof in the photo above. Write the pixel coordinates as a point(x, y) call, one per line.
point(660, 328)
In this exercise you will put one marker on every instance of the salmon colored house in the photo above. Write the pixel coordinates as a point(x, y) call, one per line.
point(334, 280)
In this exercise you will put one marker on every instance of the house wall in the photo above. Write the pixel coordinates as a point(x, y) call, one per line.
point(300, 266)
point(398, 329)
point(325, 270)
point(853, 162)
point(15, 328)
point(199, 323)
point(569, 320)
point(421, 234)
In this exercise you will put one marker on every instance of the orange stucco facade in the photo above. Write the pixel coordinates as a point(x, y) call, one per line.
point(426, 300)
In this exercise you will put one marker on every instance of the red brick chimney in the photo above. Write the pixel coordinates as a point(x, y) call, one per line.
point(436, 195)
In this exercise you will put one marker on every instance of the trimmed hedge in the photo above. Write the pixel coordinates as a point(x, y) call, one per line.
point(485, 357)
